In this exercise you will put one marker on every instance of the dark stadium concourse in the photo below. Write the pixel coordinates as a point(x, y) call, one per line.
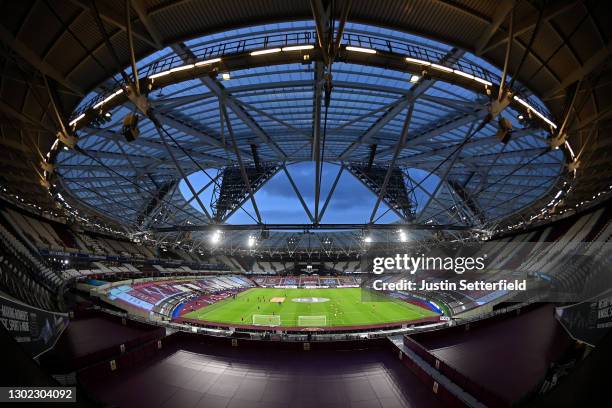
point(213, 376)
point(317, 203)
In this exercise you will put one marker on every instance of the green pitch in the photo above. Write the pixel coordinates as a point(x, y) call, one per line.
point(344, 308)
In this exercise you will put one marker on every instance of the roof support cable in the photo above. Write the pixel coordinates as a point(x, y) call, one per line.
point(515, 197)
point(319, 164)
point(245, 177)
point(160, 131)
point(158, 125)
point(481, 126)
point(109, 45)
point(321, 16)
point(150, 114)
point(593, 131)
point(331, 191)
point(107, 199)
point(213, 180)
point(341, 25)
point(121, 176)
point(502, 178)
point(316, 132)
point(66, 138)
point(329, 42)
point(569, 107)
point(298, 194)
point(431, 197)
point(502, 82)
point(485, 176)
point(527, 50)
point(330, 34)
point(455, 157)
point(398, 148)
point(128, 24)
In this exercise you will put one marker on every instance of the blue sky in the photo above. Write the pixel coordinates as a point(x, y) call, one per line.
point(351, 203)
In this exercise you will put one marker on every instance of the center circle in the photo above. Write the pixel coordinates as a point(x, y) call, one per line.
point(310, 300)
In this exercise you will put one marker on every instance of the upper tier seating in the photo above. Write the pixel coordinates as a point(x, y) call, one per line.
point(24, 277)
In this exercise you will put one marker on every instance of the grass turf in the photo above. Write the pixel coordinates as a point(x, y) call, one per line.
point(344, 308)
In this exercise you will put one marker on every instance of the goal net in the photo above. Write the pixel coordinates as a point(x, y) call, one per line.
point(266, 320)
point(312, 321)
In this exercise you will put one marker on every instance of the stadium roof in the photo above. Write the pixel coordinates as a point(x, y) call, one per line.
point(562, 49)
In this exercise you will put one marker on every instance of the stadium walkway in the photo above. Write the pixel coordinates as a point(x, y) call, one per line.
point(90, 339)
point(88, 335)
point(192, 375)
point(509, 357)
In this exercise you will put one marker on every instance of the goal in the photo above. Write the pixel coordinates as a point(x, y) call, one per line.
point(312, 321)
point(266, 320)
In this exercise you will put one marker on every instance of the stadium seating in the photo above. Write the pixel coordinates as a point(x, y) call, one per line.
point(165, 295)
point(23, 276)
point(541, 254)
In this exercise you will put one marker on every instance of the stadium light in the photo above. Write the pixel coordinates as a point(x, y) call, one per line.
point(367, 239)
point(299, 47)
point(75, 120)
point(569, 147)
point(159, 74)
point(531, 109)
point(176, 69)
point(182, 68)
point(266, 51)
point(446, 69)
point(441, 68)
point(216, 237)
point(417, 61)
point(463, 74)
point(403, 236)
point(361, 49)
point(251, 241)
point(482, 81)
point(207, 62)
point(107, 99)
